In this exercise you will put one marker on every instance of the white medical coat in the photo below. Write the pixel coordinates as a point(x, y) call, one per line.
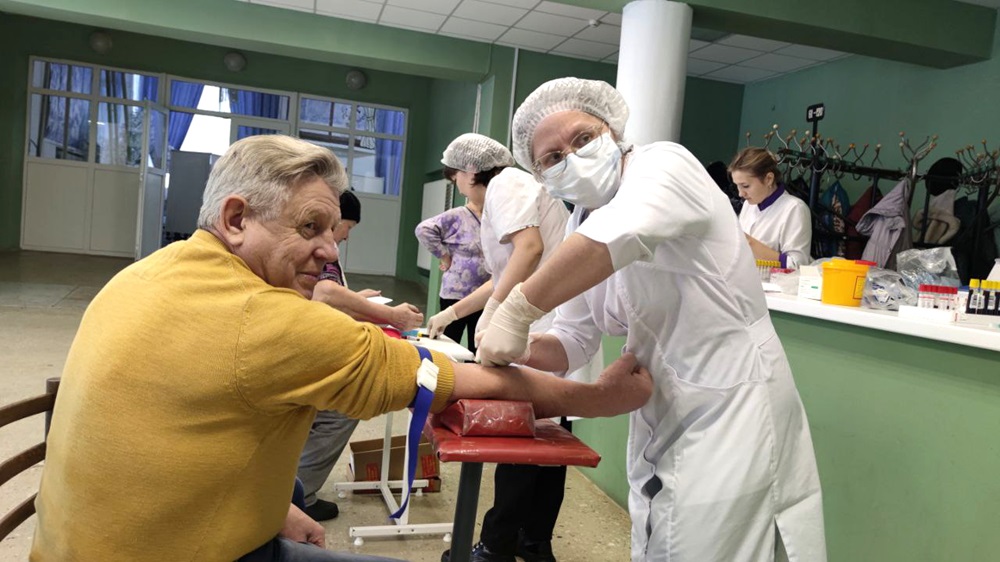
point(785, 225)
point(720, 457)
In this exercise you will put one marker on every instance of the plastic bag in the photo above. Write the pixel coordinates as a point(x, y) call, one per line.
point(886, 290)
point(935, 266)
point(489, 418)
point(787, 279)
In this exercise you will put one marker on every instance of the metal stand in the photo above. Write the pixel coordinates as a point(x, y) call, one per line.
point(401, 526)
point(465, 511)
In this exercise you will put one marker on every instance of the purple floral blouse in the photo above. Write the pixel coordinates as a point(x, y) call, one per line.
point(456, 232)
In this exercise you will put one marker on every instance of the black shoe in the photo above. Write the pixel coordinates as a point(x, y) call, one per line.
point(481, 554)
point(534, 551)
point(322, 510)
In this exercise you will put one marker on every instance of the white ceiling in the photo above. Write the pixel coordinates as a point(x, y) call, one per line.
point(560, 29)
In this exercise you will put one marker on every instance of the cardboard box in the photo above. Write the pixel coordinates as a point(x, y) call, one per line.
point(365, 463)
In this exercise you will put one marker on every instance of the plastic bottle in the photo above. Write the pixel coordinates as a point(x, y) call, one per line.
point(972, 306)
point(990, 296)
point(943, 299)
point(924, 296)
point(962, 300)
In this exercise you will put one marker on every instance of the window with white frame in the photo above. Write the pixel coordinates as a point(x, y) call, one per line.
point(370, 140)
point(87, 113)
point(90, 113)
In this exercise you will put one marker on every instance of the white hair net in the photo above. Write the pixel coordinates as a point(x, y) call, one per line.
point(595, 97)
point(476, 153)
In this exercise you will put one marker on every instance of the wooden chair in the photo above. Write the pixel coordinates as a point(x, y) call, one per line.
point(26, 459)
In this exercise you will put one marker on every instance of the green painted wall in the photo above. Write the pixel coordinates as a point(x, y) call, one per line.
point(711, 115)
point(871, 101)
point(452, 110)
point(905, 431)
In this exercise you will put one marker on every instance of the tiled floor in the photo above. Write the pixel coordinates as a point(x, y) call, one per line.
point(42, 298)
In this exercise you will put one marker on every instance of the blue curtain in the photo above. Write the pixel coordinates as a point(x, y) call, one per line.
point(389, 153)
point(184, 94)
point(116, 86)
point(257, 104)
point(149, 86)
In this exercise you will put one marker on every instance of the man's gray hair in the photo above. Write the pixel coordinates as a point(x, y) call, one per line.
point(264, 170)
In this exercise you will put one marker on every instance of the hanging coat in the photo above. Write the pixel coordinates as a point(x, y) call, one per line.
point(855, 246)
point(942, 225)
point(885, 224)
point(784, 224)
point(720, 460)
point(835, 204)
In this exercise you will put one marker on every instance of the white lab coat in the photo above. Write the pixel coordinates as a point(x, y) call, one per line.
point(785, 225)
point(515, 201)
point(720, 457)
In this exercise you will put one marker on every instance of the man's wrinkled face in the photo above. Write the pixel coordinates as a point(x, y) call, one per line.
point(290, 251)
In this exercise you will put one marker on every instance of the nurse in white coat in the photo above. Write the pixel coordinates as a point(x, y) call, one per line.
point(777, 224)
point(720, 460)
point(522, 225)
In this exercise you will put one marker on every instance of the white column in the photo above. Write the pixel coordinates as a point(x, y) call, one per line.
point(652, 67)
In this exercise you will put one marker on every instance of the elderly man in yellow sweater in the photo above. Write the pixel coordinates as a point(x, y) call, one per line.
point(195, 374)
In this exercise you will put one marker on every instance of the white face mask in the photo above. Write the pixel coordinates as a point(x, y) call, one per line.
point(591, 177)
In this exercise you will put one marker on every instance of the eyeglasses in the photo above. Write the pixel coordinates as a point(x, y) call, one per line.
point(585, 143)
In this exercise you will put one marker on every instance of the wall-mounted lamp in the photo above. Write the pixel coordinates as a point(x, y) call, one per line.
point(100, 42)
point(234, 61)
point(356, 79)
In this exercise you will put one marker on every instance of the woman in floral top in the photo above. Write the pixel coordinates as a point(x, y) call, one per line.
point(453, 237)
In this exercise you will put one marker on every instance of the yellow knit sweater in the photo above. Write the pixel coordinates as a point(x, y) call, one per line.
point(185, 401)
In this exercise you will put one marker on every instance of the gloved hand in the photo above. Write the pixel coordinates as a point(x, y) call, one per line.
point(506, 338)
point(440, 321)
point(484, 319)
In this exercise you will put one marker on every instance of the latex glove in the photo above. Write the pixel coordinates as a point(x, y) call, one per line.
point(407, 317)
point(299, 527)
point(506, 338)
point(440, 321)
point(485, 317)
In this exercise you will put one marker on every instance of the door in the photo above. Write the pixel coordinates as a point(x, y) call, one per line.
point(243, 127)
point(152, 181)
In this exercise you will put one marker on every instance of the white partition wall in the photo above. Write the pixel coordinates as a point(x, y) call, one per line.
point(435, 202)
point(115, 198)
point(371, 249)
point(55, 198)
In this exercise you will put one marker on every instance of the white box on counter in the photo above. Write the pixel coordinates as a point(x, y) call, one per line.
point(810, 282)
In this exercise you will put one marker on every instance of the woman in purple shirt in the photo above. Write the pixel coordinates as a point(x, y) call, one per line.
point(453, 238)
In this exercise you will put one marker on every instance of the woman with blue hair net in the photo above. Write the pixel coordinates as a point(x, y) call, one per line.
point(720, 460)
point(521, 227)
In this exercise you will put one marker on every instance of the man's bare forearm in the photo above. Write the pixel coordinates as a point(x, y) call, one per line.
point(624, 391)
point(354, 305)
